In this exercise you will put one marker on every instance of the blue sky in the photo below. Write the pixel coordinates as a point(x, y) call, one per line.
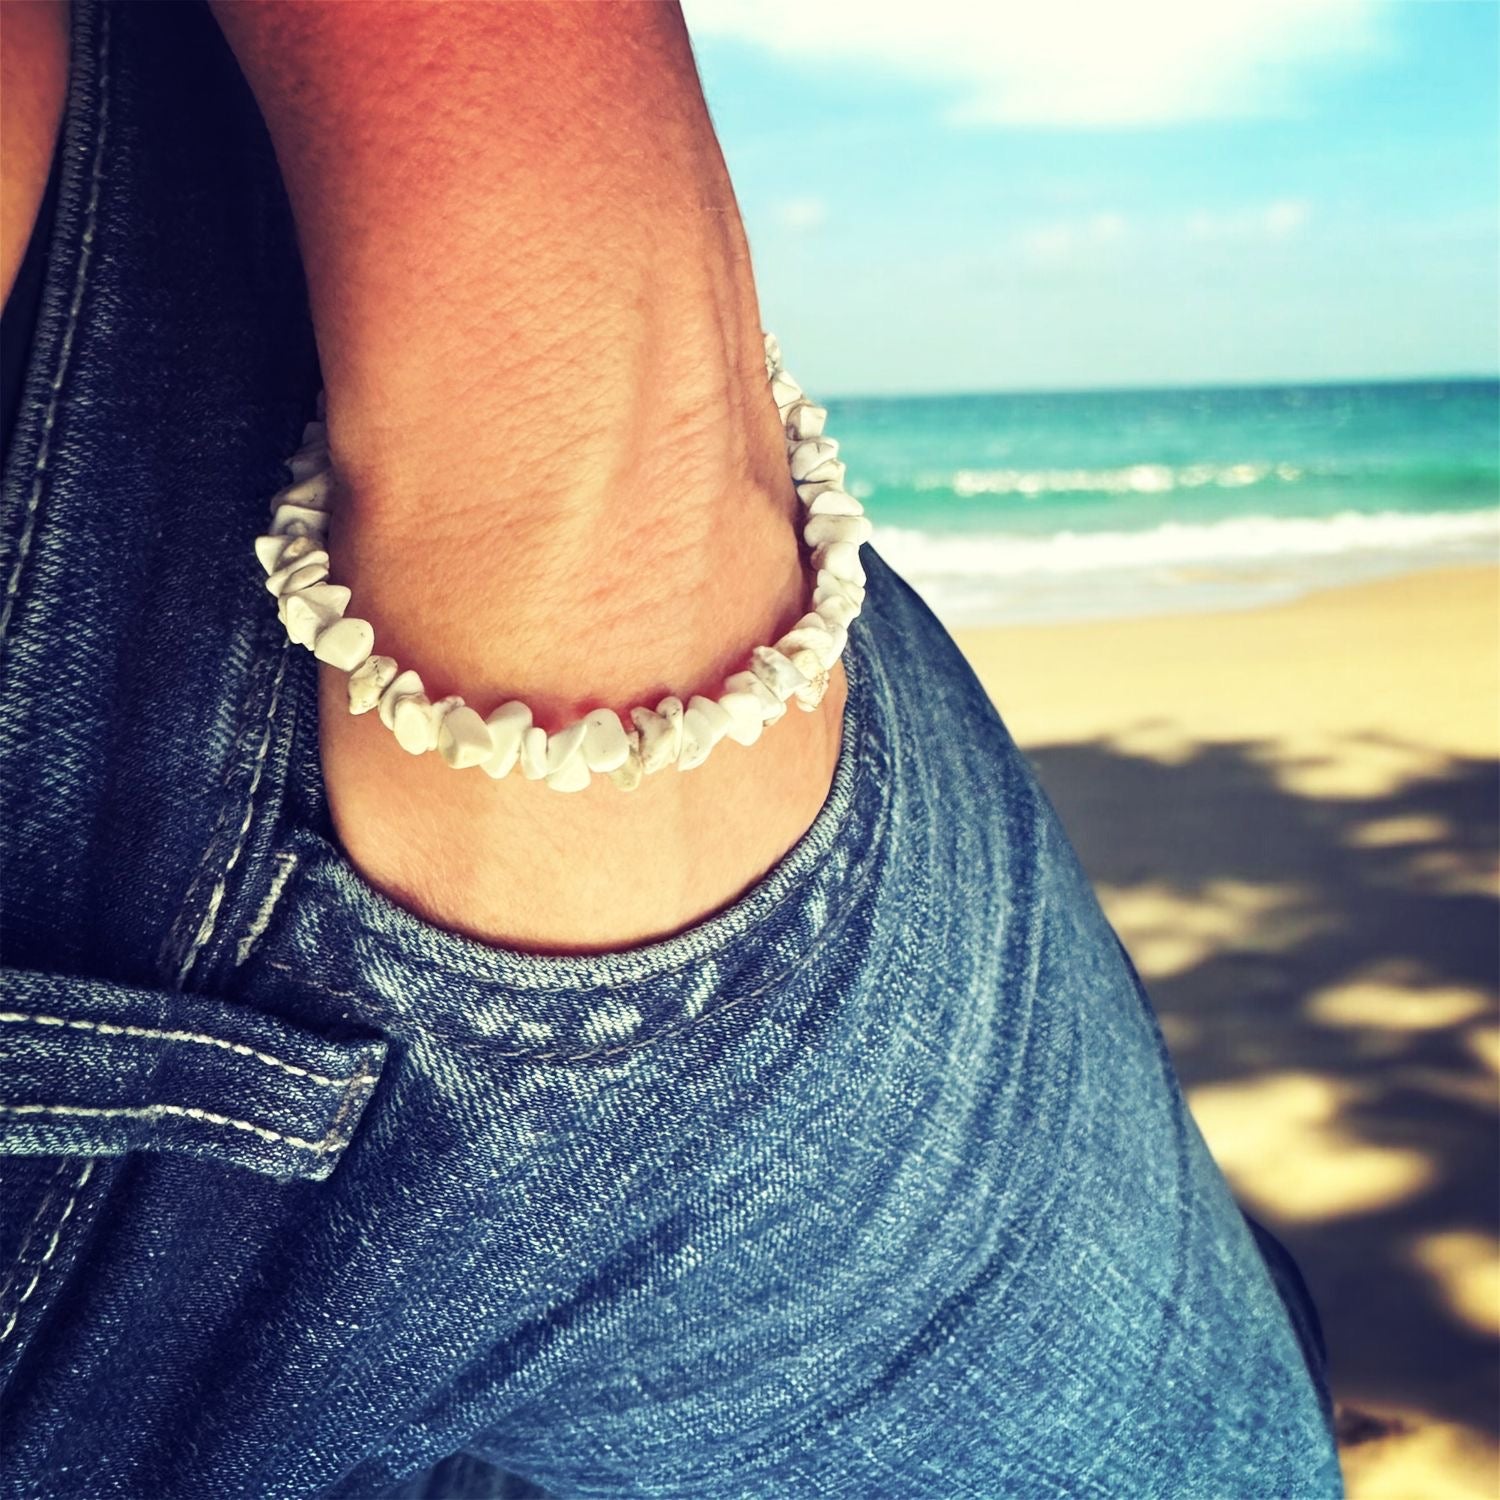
point(954, 195)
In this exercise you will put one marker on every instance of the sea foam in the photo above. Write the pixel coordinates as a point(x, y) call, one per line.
point(997, 577)
point(1129, 479)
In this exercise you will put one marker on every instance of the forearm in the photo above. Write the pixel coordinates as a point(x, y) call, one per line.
point(33, 87)
point(561, 475)
point(493, 200)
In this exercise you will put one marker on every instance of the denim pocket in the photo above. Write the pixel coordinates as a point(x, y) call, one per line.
point(327, 933)
point(94, 1068)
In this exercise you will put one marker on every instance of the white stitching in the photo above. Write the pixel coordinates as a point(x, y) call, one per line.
point(825, 934)
point(156, 1111)
point(286, 862)
point(85, 255)
point(51, 1250)
point(36, 1219)
point(211, 913)
point(113, 1028)
point(210, 844)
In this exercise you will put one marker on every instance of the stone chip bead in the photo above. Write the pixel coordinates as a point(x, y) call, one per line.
point(660, 735)
point(818, 676)
point(414, 724)
point(565, 745)
point(840, 635)
point(303, 574)
point(440, 711)
point(810, 633)
point(832, 583)
point(311, 458)
point(368, 681)
point(830, 474)
point(572, 776)
point(776, 671)
point(837, 609)
point(402, 685)
point(310, 609)
point(605, 745)
point(841, 558)
point(809, 650)
point(784, 392)
point(346, 643)
point(629, 773)
point(278, 548)
point(417, 722)
point(833, 502)
point(810, 489)
point(315, 491)
point(771, 707)
point(296, 573)
point(567, 770)
point(805, 420)
point(745, 721)
point(506, 726)
point(534, 753)
point(299, 520)
point(809, 456)
point(670, 708)
point(464, 738)
point(849, 528)
point(312, 455)
point(704, 724)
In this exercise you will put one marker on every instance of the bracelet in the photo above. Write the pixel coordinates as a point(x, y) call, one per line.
point(294, 555)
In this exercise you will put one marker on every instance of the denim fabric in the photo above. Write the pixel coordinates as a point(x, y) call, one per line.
point(878, 1183)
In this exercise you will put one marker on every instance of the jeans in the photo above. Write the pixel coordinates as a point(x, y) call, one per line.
point(877, 1183)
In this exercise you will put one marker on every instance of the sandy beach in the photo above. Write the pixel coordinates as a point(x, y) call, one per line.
point(1290, 816)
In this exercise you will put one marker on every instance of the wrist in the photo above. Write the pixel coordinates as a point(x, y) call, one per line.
point(618, 527)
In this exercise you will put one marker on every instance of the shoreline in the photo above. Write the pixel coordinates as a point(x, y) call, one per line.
point(1418, 652)
point(996, 580)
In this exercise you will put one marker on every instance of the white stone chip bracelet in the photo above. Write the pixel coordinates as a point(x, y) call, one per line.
point(293, 554)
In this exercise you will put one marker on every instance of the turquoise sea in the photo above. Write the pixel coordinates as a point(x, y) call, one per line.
point(1086, 505)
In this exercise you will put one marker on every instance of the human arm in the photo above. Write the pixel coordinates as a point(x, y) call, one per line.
point(33, 83)
point(563, 478)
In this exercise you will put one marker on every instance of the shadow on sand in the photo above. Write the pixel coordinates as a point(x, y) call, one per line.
point(1325, 969)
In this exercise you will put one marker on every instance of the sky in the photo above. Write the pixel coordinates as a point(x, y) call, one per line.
point(999, 195)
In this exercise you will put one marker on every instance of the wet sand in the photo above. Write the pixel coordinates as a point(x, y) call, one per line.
point(1290, 816)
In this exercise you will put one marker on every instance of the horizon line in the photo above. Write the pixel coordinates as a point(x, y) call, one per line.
point(1136, 390)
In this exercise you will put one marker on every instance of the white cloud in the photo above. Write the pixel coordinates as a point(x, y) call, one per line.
point(1074, 239)
point(801, 213)
point(1048, 241)
point(1286, 217)
point(1276, 221)
point(1062, 239)
point(1070, 62)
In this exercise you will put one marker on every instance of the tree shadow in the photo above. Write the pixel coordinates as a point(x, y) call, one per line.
point(1325, 969)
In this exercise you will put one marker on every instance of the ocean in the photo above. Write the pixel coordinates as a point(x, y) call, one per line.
point(1088, 505)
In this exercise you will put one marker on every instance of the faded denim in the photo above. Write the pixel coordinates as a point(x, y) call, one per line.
point(879, 1183)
